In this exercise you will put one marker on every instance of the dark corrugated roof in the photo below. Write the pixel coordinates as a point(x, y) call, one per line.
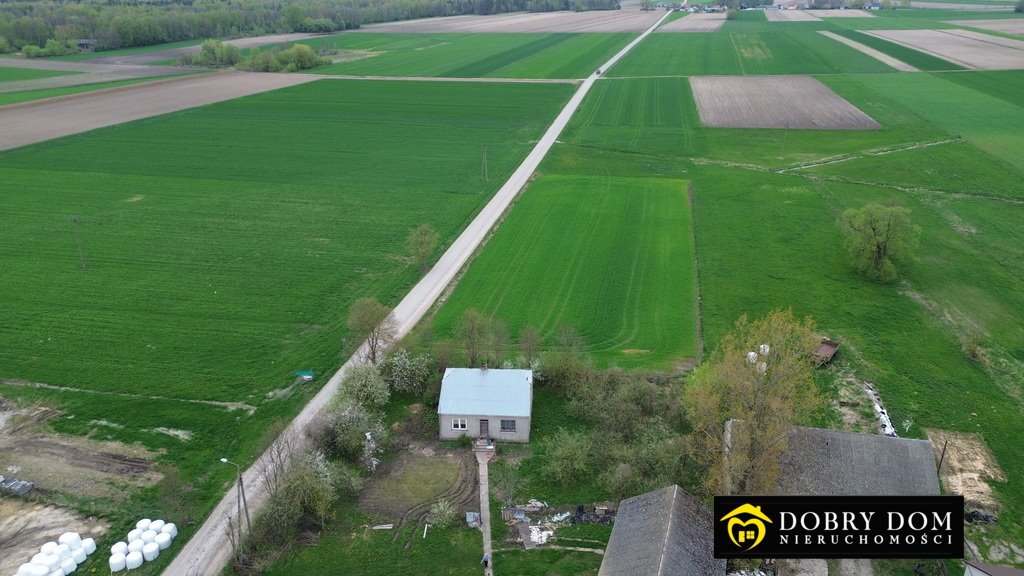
point(662, 533)
point(830, 462)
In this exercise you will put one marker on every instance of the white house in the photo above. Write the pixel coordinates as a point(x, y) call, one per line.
point(486, 403)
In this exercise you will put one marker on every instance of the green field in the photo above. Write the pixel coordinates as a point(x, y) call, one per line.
point(610, 257)
point(8, 74)
point(736, 50)
point(15, 97)
point(471, 55)
point(127, 51)
point(766, 240)
point(224, 244)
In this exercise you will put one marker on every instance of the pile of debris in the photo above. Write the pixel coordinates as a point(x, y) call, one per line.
point(15, 487)
point(534, 523)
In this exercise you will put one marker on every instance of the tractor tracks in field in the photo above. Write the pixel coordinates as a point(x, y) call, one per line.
point(229, 406)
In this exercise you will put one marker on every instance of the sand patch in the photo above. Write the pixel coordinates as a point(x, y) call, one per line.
point(135, 198)
point(70, 465)
point(966, 467)
point(969, 49)
point(791, 102)
point(25, 526)
point(709, 22)
point(183, 435)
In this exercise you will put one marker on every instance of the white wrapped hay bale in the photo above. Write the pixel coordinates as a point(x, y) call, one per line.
point(135, 546)
point(150, 551)
point(72, 539)
point(133, 560)
point(89, 545)
point(25, 569)
point(143, 524)
point(68, 565)
point(39, 558)
point(171, 529)
point(119, 548)
point(62, 551)
point(48, 548)
point(39, 570)
point(78, 555)
point(49, 561)
point(135, 534)
point(156, 525)
point(148, 536)
point(57, 572)
point(117, 562)
point(163, 540)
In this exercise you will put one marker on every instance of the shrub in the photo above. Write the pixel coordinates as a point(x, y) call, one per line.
point(1019, 7)
point(406, 373)
point(569, 456)
point(343, 428)
point(365, 384)
point(442, 514)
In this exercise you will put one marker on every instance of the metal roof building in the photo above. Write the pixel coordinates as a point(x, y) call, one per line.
point(488, 403)
point(662, 533)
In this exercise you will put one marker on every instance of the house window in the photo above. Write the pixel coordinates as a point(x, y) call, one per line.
point(508, 425)
point(459, 424)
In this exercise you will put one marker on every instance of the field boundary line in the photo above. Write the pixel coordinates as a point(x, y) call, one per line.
point(921, 50)
point(699, 324)
point(208, 550)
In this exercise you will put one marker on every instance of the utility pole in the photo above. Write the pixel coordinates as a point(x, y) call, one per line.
point(483, 168)
point(78, 241)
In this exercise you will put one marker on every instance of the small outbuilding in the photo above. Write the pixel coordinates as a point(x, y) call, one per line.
point(979, 569)
point(486, 403)
point(662, 533)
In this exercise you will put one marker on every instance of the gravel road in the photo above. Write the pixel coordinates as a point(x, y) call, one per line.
point(209, 549)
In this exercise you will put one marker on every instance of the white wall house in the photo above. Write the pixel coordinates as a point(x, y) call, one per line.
point(486, 403)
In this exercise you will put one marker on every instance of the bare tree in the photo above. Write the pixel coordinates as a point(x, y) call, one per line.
point(529, 340)
point(272, 467)
point(422, 243)
point(498, 340)
point(473, 330)
point(373, 322)
point(746, 399)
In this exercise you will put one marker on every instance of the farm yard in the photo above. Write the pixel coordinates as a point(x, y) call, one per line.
point(165, 278)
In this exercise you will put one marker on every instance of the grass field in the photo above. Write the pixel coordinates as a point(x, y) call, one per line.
point(735, 50)
point(15, 97)
point(224, 244)
point(766, 240)
point(611, 257)
point(472, 55)
point(14, 74)
point(127, 51)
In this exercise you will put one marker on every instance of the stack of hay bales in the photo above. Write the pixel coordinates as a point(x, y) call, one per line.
point(143, 544)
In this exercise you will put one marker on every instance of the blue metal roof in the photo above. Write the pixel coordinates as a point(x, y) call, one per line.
point(490, 392)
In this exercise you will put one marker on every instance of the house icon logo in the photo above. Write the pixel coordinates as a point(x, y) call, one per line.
point(750, 530)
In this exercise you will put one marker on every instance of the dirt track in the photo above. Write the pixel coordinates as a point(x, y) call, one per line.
point(709, 22)
point(840, 13)
point(797, 102)
point(593, 21)
point(880, 56)
point(33, 122)
point(966, 48)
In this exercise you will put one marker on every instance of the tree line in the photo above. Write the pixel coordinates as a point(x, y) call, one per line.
point(144, 23)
